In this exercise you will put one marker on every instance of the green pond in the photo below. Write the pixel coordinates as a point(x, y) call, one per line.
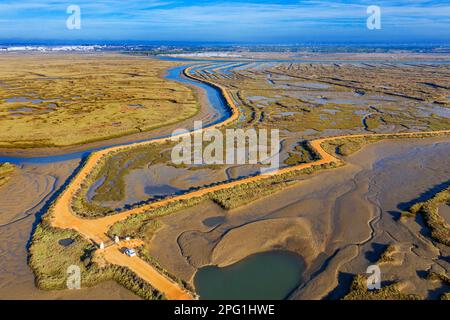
point(264, 276)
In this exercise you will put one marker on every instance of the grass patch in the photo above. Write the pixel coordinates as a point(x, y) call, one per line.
point(120, 164)
point(6, 170)
point(439, 277)
point(445, 296)
point(440, 230)
point(386, 256)
point(135, 225)
point(49, 261)
point(302, 153)
point(359, 291)
point(444, 278)
point(346, 147)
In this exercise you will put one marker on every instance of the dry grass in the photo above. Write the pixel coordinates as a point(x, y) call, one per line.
point(61, 100)
point(359, 291)
point(6, 169)
point(440, 230)
point(386, 256)
point(50, 260)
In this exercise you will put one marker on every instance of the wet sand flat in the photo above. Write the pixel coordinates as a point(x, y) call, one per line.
point(344, 217)
point(444, 212)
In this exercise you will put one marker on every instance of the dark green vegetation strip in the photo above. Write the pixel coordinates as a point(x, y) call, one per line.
point(49, 261)
point(440, 230)
point(246, 193)
point(359, 291)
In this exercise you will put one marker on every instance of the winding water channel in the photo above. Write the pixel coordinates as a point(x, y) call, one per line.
point(213, 96)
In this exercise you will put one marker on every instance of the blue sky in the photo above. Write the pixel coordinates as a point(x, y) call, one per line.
point(264, 21)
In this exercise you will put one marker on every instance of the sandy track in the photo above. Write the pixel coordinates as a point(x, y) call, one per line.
point(147, 273)
point(96, 229)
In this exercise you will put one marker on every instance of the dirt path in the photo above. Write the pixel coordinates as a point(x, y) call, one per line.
point(96, 229)
point(147, 273)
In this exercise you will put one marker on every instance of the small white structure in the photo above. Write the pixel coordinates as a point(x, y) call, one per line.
point(116, 239)
point(102, 246)
point(127, 238)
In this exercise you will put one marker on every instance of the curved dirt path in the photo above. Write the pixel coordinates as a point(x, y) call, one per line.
point(62, 215)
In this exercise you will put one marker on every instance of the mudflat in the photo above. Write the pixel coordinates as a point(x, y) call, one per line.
point(21, 204)
point(338, 221)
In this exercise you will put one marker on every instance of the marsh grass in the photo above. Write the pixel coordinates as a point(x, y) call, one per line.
point(440, 230)
point(359, 291)
point(445, 296)
point(348, 146)
point(119, 165)
point(6, 170)
point(386, 256)
point(444, 278)
point(64, 100)
point(439, 277)
point(302, 153)
point(49, 261)
point(310, 105)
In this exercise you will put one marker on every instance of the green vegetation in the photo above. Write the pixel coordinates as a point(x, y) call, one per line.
point(440, 230)
point(62, 100)
point(445, 296)
point(302, 153)
point(444, 278)
point(112, 168)
point(359, 291)
point(49, 260)
point(120, 164)
point(247, 193)
point(300, 97)
point(134, 227)
point(348, 146)
point(386, 256)
point(6, 169)
point(439, 276)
